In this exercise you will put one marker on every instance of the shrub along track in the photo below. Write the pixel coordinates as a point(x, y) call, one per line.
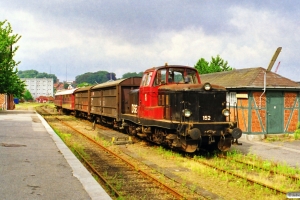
point(200, 178)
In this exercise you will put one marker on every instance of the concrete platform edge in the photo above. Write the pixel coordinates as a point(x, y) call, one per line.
point(91, 186)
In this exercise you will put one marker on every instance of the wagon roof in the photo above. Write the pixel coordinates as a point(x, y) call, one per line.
point(83, 89)
point(63, 92)
point(108, 83)
point(249, 78)
point(136, 80)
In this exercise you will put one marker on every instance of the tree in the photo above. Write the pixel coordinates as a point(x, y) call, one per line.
point(27, 95)
point(132, 74)
point(83, 84)
point(35, 74)
point(95, 77)
point(216, 65)
point(10, 83)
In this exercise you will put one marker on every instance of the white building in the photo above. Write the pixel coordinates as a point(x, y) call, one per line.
point(39, 86)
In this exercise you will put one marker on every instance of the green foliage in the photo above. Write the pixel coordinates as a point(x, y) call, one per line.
point(10, 83)
point(27, 95)
point(132, 74)
point(216, 64)
point(66, 85)
point(297, 132)
point(83, 84)
point(95, 78)
point(35, 74)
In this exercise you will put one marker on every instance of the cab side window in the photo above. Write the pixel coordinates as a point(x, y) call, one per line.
point(146, 79)
point(160, 78)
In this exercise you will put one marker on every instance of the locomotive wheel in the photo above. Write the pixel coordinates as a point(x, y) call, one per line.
point(224, 144)
point(190, 145)
point(130, 130)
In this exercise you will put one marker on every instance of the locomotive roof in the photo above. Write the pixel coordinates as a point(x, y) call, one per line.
point(170, 66)
point(63, 92)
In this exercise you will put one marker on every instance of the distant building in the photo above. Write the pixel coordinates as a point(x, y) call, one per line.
point(58, 86)
point(39, 86)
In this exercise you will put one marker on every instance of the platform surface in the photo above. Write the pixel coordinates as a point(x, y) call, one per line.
point(36, 164)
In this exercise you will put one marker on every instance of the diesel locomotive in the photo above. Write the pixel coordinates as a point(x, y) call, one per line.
point(168, 106)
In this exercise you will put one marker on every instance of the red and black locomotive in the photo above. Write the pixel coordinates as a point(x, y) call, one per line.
point(169, 106)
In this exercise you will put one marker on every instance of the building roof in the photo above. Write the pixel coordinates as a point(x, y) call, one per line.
point(249, 78)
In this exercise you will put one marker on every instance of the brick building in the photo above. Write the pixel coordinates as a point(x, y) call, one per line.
point(266, 102)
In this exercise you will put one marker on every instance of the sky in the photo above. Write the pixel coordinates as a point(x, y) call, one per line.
point(71, 37)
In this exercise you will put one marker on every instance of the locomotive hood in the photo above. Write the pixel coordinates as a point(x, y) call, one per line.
point(189, 87)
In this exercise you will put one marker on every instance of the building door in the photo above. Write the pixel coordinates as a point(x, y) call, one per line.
point(275, 105)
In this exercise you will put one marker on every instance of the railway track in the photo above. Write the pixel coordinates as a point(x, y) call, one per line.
point(253, 173)
point(295, 176)
point(243, 171)
point(124, 178)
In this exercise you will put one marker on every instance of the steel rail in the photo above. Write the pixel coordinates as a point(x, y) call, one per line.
point(242, 177)
point(167, 188)
point(293, 177)
point(116, 193)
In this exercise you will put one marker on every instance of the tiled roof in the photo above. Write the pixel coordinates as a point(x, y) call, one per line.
point(249, 78)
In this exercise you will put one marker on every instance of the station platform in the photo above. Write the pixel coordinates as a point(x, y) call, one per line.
point(36, 164)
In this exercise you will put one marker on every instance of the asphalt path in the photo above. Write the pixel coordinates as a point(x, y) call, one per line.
point(285, 152)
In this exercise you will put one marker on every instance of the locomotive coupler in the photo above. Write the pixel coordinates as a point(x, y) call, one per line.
point(211, 139)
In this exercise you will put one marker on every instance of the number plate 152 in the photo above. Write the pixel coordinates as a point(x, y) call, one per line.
point(206, 117)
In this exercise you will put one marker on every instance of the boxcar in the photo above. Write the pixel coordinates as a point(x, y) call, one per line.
point(83, 102)
point(65, 101)
point(110, 99)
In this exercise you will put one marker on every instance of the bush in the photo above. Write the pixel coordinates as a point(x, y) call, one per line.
point(28, 96)
point(297, 132)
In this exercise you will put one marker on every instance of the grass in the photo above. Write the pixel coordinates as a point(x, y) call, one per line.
point(297, 132)
point(32, 105)
point(255, 191)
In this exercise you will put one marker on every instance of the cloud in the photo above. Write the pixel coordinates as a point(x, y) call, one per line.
point(69, 38)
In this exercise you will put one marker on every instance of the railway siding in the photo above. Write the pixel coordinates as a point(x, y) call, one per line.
point(173, 167)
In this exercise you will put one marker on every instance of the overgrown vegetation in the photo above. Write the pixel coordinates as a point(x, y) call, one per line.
point(297, 132)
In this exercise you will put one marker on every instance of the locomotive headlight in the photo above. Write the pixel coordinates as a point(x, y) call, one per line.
point(207, 86)
point(187, 112)
point(226, 112)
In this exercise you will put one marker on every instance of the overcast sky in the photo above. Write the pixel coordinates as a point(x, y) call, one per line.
point(71, 37)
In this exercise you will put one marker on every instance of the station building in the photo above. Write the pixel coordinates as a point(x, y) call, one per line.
point(266, 102)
